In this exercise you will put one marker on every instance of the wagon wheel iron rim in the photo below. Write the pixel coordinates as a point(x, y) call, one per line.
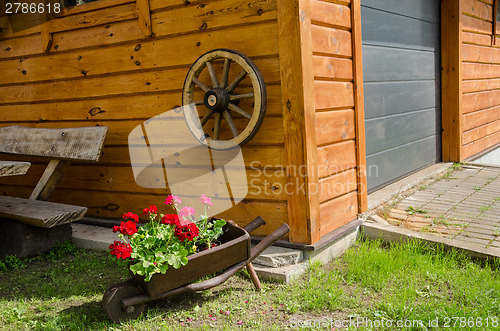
point(221, 101)
point(112, 302)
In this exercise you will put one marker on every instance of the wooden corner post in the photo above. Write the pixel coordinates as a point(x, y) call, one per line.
point(451, 80)
point(359, 106)
point(297, 90)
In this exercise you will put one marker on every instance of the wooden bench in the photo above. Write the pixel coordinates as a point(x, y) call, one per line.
point(28, 226)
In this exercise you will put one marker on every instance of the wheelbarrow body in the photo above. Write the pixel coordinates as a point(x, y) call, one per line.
point(127, 300)
point(234, 248)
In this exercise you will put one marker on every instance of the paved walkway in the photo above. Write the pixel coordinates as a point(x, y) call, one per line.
point(464, 205)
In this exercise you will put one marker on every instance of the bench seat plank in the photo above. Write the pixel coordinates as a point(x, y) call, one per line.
point(75, 144)
point(39, 213)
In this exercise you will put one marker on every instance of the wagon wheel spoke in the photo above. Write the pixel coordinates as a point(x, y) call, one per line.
point(240, 96)
point(230, 122)
point(225, 72)
point(218, 120)
point(240, 111)
point(213, 75)
point(236, 81)
point(205, 118)
point(229, 71)
point(200, 84)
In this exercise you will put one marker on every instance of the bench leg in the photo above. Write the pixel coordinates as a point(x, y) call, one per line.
point(23, 240)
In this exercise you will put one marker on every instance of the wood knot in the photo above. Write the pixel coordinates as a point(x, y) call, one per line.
point(111, 207)
point(95, 111)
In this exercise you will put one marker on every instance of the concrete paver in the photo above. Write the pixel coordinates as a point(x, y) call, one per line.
point(463, 206)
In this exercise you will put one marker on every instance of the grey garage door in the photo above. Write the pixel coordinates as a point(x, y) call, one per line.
point(401, 68)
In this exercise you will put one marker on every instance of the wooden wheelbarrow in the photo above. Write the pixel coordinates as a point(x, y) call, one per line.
point(127, 300)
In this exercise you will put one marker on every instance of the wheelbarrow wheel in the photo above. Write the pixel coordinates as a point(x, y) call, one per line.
point(231, 89)
point(112, 302)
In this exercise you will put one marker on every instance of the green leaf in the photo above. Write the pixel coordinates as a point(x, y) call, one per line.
point(137, 268)
point(184, 260)
point(163, 268)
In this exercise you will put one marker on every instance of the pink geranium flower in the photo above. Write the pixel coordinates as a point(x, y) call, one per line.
point(187, 211)
point(206, 200)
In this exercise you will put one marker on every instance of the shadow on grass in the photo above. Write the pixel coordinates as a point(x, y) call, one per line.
point(82, 317)
point(82, 274)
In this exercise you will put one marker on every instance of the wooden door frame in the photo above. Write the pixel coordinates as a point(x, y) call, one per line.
point(451, 81)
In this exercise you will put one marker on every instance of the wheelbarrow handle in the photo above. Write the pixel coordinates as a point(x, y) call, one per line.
point(268, 241)
point(259, 248)
point(257, 222)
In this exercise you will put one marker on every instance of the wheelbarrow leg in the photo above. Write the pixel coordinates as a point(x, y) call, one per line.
point(254, 277)
point(257, 222)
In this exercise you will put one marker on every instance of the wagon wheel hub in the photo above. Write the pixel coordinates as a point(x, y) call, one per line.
point(229, 99)
point(216, 99)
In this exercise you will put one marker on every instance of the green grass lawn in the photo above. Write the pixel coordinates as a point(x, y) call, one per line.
point(370, 284)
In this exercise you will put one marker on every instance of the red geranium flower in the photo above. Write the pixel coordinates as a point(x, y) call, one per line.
point(128, 228)
point(130, 215)
point(188, 231)
point(152, 209)
point(172, 200)
point(171, 219)
point(120, 250)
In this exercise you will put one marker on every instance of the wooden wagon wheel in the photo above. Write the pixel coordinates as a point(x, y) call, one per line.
point(112, 302)
point(222, 99)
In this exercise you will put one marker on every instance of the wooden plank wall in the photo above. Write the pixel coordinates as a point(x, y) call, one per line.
point(332, 45)
point(102, 70)
point(481, 78)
